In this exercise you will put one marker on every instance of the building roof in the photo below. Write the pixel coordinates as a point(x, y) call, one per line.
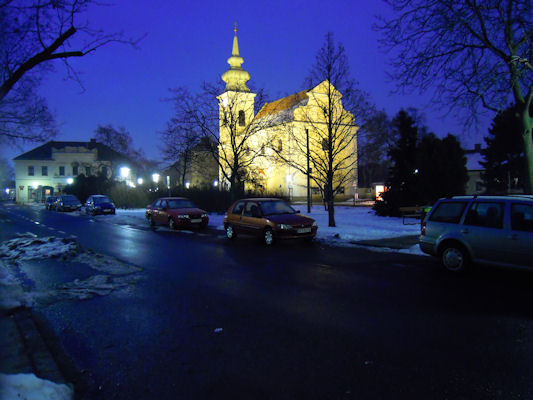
point(44, 152)
point(285, 104)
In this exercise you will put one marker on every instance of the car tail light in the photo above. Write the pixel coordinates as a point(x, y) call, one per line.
point(423, 228)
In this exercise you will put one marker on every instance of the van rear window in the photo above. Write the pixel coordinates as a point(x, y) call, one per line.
point(448, 212)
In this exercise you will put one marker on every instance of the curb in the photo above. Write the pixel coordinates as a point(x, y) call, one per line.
point(24, 350)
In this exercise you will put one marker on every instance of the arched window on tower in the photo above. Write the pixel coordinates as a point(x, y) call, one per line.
point(242, 120)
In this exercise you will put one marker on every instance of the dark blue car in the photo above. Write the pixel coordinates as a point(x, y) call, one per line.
point(99, 204)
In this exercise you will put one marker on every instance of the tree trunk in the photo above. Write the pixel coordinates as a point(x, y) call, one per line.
point(328, 199)
point(527, 123)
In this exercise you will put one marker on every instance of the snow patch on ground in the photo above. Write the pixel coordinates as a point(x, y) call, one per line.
point(28, 247)
point(29, 387)
point(112, 274)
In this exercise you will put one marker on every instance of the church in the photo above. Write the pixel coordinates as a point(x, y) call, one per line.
point(279, 145)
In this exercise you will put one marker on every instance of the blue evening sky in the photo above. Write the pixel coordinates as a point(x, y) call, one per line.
point(188, 42)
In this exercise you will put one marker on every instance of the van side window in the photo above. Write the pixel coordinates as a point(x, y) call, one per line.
point(488, 215)
point(252, 210)
point(450, 212)
point(522, 217)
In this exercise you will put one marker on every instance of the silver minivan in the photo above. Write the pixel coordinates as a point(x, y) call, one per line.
point(494, 230)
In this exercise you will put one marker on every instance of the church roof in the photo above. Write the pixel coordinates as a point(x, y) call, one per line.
point(285, 104)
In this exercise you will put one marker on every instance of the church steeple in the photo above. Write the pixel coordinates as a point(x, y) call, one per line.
point(236, 77)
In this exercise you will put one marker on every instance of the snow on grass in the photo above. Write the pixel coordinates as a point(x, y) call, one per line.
point(29, 387)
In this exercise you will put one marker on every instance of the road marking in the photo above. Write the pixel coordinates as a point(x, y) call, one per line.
point(31, 234)
point(36, 223)
point(52, 229)
point(64, 233)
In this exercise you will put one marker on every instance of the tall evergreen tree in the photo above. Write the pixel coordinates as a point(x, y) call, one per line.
point(503, 156)
point(441, 168)
point(403, 180)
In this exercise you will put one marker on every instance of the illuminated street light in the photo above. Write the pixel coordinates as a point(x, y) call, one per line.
point(35, 184)
point(124, 172)
point(155, 177)
point(140, 181)
point(187, 185)
point(70, 181)
point(215, 183)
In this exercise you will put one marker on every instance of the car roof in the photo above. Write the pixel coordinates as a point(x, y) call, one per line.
point(98, 195)
point(172, 198)
point(261, 199)
point(489, 197)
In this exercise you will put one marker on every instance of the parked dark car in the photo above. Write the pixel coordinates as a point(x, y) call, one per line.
point(67, 202)
point(495, 230)
point(176, 212)
point(49, 203)
point(268, 218)
point(99, 204)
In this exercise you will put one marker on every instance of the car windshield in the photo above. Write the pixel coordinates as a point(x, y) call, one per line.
point(69, 200)
point(101, 199)
point(276, 207)
point(180, 203)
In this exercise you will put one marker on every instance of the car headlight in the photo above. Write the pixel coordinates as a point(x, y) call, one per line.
point(183, 216)
point(314, 223)
point(204, 215)
point(284, 226)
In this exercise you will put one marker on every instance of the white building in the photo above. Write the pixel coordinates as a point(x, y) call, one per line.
point(47, 169)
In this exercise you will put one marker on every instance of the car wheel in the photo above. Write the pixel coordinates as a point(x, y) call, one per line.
point(150, 221)
point(172, 224)
point(230, 232)
point(268, 237)
point(454, 258)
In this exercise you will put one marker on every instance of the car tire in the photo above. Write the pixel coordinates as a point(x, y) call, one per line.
point(150, 221)
point(230, 232)
point(454, 258)
point(268, 237)
point(172, 224)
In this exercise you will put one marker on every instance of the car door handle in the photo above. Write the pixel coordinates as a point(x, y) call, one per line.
point(465, 231)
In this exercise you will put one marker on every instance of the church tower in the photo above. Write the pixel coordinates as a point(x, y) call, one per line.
point(236, 103)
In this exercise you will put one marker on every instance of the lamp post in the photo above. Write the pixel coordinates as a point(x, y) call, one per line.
point(308, 174)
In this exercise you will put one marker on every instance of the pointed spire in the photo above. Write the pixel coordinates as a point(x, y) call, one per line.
point(236, 77)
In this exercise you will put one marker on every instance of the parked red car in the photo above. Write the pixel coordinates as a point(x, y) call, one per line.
point(176, 212)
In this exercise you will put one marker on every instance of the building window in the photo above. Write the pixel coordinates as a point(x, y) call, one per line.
point(44, 171)
point(31, 170)
point(61, 171)
point(325, 144)
point(75, 170)
point(242, 120)
point(280, 145)
point(87, 171)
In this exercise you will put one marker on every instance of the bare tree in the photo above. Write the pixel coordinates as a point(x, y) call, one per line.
point(228, 126)
point(119, 140)
point(329, 125)
point(180, 139)
point(475, 54)
point(34, 33)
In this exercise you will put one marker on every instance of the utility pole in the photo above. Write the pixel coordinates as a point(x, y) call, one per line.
point(308, 174)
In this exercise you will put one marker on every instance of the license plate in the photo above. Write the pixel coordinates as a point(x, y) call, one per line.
point(303, 230)
point(196, 221)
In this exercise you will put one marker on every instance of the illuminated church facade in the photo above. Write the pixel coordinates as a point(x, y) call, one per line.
point(281, 136)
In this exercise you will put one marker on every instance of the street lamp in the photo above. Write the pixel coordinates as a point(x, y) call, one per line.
point(155, 178)
point(140, 181)
point(70, 181)
point(124, 172)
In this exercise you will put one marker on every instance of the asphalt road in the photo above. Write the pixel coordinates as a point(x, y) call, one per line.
point(214, 319)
